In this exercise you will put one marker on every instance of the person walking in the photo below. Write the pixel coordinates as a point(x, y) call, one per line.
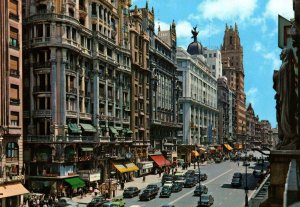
point(144, 178)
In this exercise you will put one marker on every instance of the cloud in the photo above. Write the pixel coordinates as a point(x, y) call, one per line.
point(282, 7)
point(208, 31)
point(257, 47)
point(163, 26)
point(251, 95)
point(227, 9)
point(183, 29)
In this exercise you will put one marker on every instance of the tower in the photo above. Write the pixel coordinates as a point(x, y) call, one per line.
point(233, 69)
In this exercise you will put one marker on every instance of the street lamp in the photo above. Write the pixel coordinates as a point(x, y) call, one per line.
point(246, 187)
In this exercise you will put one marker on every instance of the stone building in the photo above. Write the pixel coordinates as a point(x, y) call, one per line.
point(266, 133)
point(250, 124)
point(223, 107)
point(11, 111)
point(233, 69)
point(77, 80)
point(198, 100)
point(164, 120)
point(214, 60)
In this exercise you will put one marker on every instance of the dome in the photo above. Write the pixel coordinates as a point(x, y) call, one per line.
point(195, 48)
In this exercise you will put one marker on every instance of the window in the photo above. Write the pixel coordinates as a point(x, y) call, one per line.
point(205, 55)
point(230, 40)
point(47, 30)
point(14, 118)
point(14, 66)
point(100, 48)
point(13, 10)
point(210, 55)
point(73, 34)
point(39, 30)
point(215, 55)
point(71, 12)
point(94, 10)
point(109, 52)
point(14, 40)
point(12, 150)
point(213, 67)
point(94, 26)
point(14, 94)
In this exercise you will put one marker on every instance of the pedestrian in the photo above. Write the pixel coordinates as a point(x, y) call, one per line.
point(159, 173)
point(238, 163)
point(80, 192)
point(144, 178)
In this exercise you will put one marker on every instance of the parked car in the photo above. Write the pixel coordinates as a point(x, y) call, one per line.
point(176, 187)
point(147, 194)
point(64, 202)
point(189, 173)
point(97, 201)
point(165, 192)
point(154, 187)
point(256, 173)
point(110, 204)
point(179, 179)
point(166, 177)
point(236, 182)
point(131, 192)
point(237, 175)
point(202, 189)
point(206, 200)
point(217, 160)
point(189, 182)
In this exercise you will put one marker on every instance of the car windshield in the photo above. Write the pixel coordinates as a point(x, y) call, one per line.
point(235, 179)
point(130, 189)
point(146, 191)
point(236, 175)
point(204, 198)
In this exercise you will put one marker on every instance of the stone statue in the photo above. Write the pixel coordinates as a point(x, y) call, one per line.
point(286, 101)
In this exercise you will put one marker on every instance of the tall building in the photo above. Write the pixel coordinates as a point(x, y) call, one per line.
point(140, 83)
point(250, 123)
point(164, 122)
point(198, 100)
point(266, 133)
point(223, 107)
point(77, 84)
point(11, 111)
point(214, 61)
point(233, 69)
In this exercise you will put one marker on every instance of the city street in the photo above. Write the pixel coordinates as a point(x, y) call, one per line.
point(218, 183)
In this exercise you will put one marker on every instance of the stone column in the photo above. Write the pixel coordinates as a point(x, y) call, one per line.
point(96, 94)
point(63, 88)
point(53, 85)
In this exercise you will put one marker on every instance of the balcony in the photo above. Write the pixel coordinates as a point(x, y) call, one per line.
point(38, 139)
point(72, 113)
point(42, 113)
point(126, 120)
point(41, 65)
point(104, 139)
point(14, 73)
point(41, 89)
point(72, 91)
point(15, 102)
point(85, 115)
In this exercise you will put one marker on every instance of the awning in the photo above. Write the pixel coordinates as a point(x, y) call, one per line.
point(75, 182)
point(228, 147)
point(87, 149)
point(12, 190)
point(128, 131)
point(126, 167)
point(202, 149)
point(160, 160)
point(88, 127)
point(74, 128)
point(195, 153)
point(113, 130)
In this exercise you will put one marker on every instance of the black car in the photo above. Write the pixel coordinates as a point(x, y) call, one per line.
point(236, 182)
point(154, 187)
point(166, 177)
point(256, 174)
point(131, 192)
point(176, 187)
point(189, 182)
point(203, 176)
point(97, 201)
point(147, 194)
point(217, 160)
point(189, 173)
point(202, 189)
point(165, 192)
point(237, 175)
point(206, 200)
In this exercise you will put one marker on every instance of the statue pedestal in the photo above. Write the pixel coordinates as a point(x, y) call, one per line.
point(279, 163)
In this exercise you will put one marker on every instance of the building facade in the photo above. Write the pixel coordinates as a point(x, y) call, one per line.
point(78, 79)
point(11, 111)
point(214, 61)
point(233, 69)
point(266, 133)
point(223, 107)
point(250, 124)
point(198, 100)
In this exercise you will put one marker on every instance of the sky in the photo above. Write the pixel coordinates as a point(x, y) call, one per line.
point(257, 22)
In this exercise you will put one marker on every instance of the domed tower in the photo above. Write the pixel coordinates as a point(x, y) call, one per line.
point(195, 48)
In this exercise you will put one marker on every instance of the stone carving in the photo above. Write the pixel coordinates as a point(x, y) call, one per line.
point(195, 33)
point(286, 101)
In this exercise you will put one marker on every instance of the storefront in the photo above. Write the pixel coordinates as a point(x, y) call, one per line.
point(125, 169)
point(144, 167)
point(90, 177)
point(11, 193)
point(228, 147)
point(161, 163)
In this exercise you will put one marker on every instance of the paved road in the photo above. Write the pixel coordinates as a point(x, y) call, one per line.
point(218, 183)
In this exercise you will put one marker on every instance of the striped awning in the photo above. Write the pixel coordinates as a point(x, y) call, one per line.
point(125, 167)
point(195, 153)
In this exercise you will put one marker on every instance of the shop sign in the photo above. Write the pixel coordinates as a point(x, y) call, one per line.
point(147, 165)
point(94, 177)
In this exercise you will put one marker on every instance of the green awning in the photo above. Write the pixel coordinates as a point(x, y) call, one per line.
point(88, 127)
point(75, 182)
point(74, 128)
point(118, 128)
point(128, 131)
point(87, 149)
point(113, 130)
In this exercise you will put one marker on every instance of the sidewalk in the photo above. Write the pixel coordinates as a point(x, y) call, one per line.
point(137, 182)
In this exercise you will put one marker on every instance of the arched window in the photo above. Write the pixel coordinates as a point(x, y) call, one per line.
point(71, 12)
point(12, 150)
point(231, 40)
point(41, 9)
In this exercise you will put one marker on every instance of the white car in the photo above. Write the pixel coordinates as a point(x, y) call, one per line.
point(168, 183)
point(67, 202)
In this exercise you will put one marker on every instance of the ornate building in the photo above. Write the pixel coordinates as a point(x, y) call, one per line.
point(78, 79)
point(140, 83)
point(214, 60)
point(233, 69)
point(223, 107)
point(198, 100)
point(164, 123)
point(250, 124)
point(11, 111)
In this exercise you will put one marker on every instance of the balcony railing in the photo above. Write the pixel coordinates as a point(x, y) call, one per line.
point(72, 91)
point(38, 138)
point(14, 73)
point(42, 113)
point(41, 89)
point(41, 65)
point(15, 102)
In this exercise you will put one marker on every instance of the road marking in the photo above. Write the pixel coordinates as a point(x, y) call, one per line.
point(251, 194)
point(179, 198)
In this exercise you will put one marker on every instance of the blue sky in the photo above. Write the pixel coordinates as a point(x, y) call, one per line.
point(258, 27)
